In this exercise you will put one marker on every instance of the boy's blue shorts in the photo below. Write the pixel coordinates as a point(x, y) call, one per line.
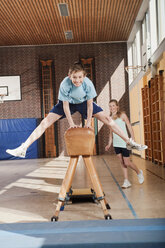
point(81, 108)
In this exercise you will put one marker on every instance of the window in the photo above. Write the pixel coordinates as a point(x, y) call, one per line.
point(138, 47)
point(153, 26)
point(143, 31)
point(161, 19)
point(148, 40)
point(146, 44)
point(134, 49)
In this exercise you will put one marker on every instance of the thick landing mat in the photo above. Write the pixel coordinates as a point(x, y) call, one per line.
point(15, 131)
point(141, 233)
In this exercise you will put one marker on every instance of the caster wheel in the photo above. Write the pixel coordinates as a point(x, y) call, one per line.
point(108, 206)
point(54, 218)
point(108, 217)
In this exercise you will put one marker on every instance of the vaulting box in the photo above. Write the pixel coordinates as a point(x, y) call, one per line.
point(79, 141)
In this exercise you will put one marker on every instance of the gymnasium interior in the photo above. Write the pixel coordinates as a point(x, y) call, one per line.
point(121, 44)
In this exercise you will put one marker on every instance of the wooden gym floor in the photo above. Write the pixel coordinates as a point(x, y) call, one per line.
point(29, 190)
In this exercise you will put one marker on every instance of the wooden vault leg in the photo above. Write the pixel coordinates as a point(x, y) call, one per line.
point(96, 184)
point(66, 184)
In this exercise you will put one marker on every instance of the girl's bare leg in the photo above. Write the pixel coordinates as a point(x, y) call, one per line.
point(123, 166)
point(45, 123)
point(111, 124)
point(139, 173)
point(129, 163)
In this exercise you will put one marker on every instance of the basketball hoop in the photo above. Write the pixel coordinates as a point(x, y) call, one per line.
point(131, 67)
point(3, 93)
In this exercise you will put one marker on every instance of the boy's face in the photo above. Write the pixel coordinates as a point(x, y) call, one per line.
point(77, 78)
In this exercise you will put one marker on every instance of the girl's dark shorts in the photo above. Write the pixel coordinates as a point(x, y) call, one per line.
point(124, 151)
point(81, 108)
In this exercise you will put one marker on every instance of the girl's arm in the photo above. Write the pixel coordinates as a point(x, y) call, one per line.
point(89, 112)
point(110, 140)
point(68, 114)
point(130, 129)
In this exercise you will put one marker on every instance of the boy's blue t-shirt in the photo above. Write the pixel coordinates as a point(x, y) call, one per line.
point(70, 93)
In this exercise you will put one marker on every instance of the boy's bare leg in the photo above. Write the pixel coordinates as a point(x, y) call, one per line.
point(111, 124)
point(45, 123)
point(130, 144)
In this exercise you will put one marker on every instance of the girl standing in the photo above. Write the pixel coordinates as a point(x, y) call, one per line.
point(120, 146)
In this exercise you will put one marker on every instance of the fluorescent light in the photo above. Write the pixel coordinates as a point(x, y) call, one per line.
point(63, 9)
point(69, 35)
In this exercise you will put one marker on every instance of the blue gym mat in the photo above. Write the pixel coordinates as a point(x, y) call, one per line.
point(141, 233)
point(15, 131)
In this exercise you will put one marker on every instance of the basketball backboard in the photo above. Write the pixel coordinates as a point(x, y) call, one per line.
point(10, 88)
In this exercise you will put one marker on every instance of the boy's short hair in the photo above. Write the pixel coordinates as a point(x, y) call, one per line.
point(77, 66)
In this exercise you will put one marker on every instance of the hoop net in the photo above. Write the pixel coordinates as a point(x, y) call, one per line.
point(133, 71)
point(131, 67)
point(1, 98)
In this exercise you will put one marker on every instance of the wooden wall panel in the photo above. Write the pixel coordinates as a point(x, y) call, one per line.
point(134, 104)
point(153, 97)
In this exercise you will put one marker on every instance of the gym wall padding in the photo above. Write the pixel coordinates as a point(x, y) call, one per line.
point(13, 132)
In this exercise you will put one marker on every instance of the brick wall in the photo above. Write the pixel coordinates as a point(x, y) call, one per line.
point(110, 59)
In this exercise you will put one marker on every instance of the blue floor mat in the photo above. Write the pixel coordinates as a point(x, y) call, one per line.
point(136, 233)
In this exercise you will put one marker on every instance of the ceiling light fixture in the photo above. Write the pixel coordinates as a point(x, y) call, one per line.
point(69, 35)
point(63, 9)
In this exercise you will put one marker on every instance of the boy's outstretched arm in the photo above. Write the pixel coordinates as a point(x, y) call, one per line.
point(89, 112)
point(68, 114)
